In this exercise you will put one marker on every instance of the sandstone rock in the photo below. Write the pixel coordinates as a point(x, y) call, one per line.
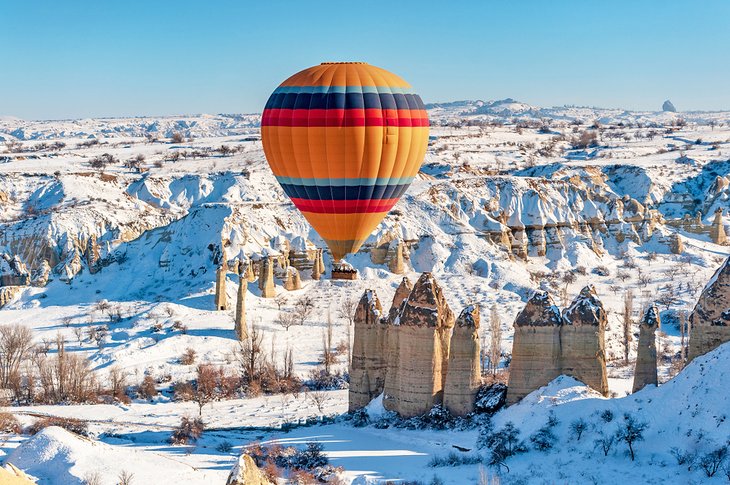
point(646, 365)
point(463, 378)
point(7, 293)
point(536, 351)
point(317, 266)
point(369, 359)
point(249, 272)
point(11, 475)
point(266, 278)
point(582, 337)
point(92, 254)
point(423, 335)
point(71, 267)
point(41, 276)
point(292, 281)
point(395, 257)
point(245, 472)
point(13, 271)
point(676, 245)
point(401, 293)
point(240, 319)
point(221, 298)
point(717, 231)
point(710, 320)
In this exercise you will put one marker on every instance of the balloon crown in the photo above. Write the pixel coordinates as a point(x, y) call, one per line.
point(346, 62)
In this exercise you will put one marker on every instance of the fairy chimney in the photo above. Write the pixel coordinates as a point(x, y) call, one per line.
point(266, 278)
point(401, 293)
point(717, 230)
point(292, 281)
point(583, 347)
point(395, 257)
point(536, 347)
point(240, 319)
point(676, 245)
point(710, 319)
point(221, 299)
point(464, 372)
point(646, 371)
point(369, 364)
point(422, 350)
point(317, 266)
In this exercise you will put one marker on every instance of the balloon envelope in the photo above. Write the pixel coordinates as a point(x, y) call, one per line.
point(344, 140)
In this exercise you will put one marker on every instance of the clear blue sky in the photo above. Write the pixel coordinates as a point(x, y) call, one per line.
point(68, 59)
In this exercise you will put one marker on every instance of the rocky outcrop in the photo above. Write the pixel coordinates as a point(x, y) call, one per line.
point(239, 322)
point(92, 254)
point(13, 272)
point(421, 350)
point(582, 337)
point(710, 319)
point(10, 475)
point(70, 268)
point(717, 230)
point(536, 349)
point(369, 361)
point(547, 344)
point(7, 293)
point(245, 472)
point(646, 364)
point(668, 106)
point(463, 377)
point(266, 277)
point(221, 298)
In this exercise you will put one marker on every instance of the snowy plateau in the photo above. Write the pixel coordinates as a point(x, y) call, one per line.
point(111, 232)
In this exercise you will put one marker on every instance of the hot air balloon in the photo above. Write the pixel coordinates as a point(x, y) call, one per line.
point(344, 140)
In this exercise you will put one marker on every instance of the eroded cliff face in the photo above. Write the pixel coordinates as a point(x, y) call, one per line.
point(245, 472)
point(646, 363)
point(710, 320)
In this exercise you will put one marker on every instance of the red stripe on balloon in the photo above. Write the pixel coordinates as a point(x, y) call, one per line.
point(344, 206)
point(344, 117)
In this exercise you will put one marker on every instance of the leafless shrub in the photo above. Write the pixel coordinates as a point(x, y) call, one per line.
point(190, 429)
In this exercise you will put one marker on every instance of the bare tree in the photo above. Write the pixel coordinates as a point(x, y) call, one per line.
point(125, 477)
point(286, 319)
point(328, 355)
point(16, 343)
point(627, 323)
point(250, 355)
point(319, 399)
point(346, 311)
point(303, 309)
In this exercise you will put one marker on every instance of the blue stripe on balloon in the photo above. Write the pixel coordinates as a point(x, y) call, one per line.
point(344, 101)
point(354, 192)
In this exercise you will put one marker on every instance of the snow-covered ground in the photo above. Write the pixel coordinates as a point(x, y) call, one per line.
point(159, 228)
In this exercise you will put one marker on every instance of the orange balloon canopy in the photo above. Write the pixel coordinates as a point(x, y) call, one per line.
point(344, 140)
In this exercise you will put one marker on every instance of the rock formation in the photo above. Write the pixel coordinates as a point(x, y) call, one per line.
point(240, 326)
point(717, 230)
point(422, 350)
point(92, 254)
point(646, 371)
point(221, 298)
point(369, 362)
point(668, 106)
point(395, 257)
point(317, 266)
point(245, 472)
point(536, 347)
point(710, 319)
point(582, 338)
point(248, 271)
point(11, 475)
point(266, 277)
point(7, 293)
point(401, 293)
point(676, 245)
point(464, 371)
point(292, 281)
point(547, 344)
point(13, 272)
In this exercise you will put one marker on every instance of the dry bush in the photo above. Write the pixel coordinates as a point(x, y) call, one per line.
point(9, 423)
point(189, 430)
point(147, 389)
point(65, 377)
point(188, 357)
point(69, 424)
point(16, 343)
